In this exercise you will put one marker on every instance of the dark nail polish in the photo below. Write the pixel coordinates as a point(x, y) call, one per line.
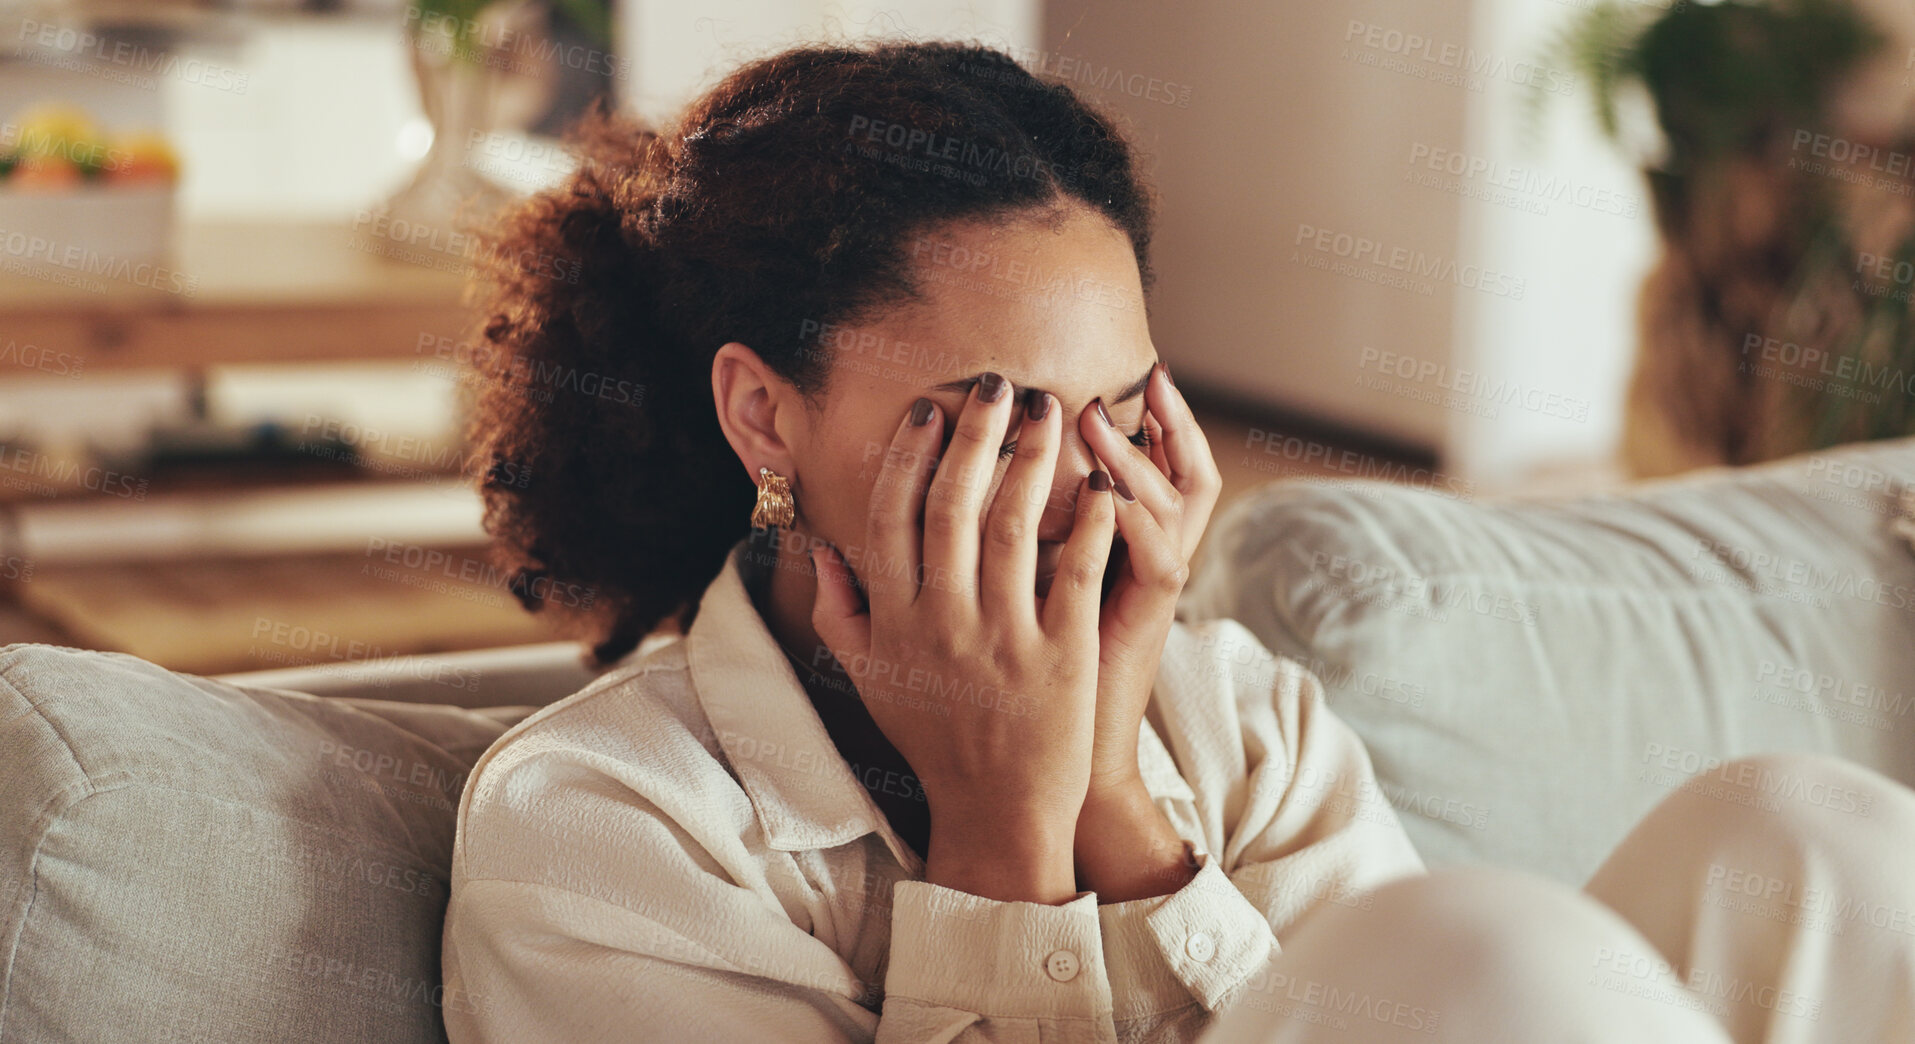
point(1122, 490)
point(920, 412)
point(990, 387)
point(1104, 413)
point(1036, 404)
point(1100, 480)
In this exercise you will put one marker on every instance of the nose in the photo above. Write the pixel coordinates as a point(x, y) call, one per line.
point(1074, 461)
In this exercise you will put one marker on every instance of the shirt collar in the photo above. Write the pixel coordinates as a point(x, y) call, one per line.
point(798, 782)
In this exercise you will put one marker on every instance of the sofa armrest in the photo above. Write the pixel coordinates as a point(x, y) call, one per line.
point(531, 675)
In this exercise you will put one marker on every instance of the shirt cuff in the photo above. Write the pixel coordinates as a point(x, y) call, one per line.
point(1201, 941)
point(953, 949)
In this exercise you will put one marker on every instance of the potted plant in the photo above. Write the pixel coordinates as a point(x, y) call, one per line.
point(1762, 332)
point(483, 66)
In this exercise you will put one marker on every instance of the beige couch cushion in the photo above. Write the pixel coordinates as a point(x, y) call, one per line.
point(183, 859)
point(1532, 676)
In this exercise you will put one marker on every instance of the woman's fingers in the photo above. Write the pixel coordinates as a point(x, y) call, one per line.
point(1184, 446)
point(1193, 471)
point(893, 556)
point(841, 622)
point(1131, 469)
point(955, 503)
point(1076, 593)
point(1153, 558)
point(1009, 571)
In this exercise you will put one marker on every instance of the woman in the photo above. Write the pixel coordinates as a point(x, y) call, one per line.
point(932, 759)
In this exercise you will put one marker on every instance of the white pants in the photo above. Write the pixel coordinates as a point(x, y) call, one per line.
point(1772, 900)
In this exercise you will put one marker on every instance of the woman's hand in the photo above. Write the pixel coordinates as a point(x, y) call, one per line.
point(987, 691)
point(1124, 847)
point(1175, 488)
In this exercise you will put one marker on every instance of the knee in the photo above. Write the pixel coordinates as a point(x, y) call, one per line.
point(1487, 928)
point(1800, 801)
point(1476, 952)
point(1500, 923)
point(1765, 826)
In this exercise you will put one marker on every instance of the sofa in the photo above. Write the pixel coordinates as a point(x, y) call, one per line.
point(264, 857)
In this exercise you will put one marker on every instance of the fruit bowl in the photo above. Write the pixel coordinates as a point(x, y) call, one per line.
point(77, 200)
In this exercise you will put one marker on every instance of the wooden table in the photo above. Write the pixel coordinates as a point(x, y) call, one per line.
point(258, 294)
point(252, 294)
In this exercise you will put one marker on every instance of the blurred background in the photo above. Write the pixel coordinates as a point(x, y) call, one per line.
point(1484, 247)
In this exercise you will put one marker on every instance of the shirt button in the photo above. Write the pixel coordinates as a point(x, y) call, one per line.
point(1200, 946)
point(1061, 965)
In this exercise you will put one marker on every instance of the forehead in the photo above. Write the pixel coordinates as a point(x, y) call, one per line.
point(1055, 303)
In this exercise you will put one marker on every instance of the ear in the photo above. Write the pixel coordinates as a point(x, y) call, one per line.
point(759, 411)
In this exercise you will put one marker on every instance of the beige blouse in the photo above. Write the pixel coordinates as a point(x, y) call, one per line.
point(679, 852)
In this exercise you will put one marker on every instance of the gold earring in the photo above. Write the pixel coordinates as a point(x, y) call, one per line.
point(775, 506)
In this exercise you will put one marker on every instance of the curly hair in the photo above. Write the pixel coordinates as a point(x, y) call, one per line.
point(780, 204)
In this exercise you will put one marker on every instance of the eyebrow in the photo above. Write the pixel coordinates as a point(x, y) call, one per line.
point(1131, 391)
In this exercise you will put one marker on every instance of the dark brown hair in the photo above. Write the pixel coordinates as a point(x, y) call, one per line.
point(782, 203)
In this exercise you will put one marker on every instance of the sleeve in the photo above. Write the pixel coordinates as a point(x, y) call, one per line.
point(593, 916)
point(1285, 812)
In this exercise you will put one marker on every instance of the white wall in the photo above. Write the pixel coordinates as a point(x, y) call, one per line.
point(679, 48)
point(1309, 116)
point(1548, 373)
point(1289, 130)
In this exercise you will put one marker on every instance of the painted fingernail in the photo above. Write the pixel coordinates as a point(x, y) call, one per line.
point(990, 387)
point(1100, 480)
point(920, 412)
point(1104, 413)
point(1122, 490)
point(1036, 404)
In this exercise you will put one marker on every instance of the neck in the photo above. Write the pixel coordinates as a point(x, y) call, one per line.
point(784, 595)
